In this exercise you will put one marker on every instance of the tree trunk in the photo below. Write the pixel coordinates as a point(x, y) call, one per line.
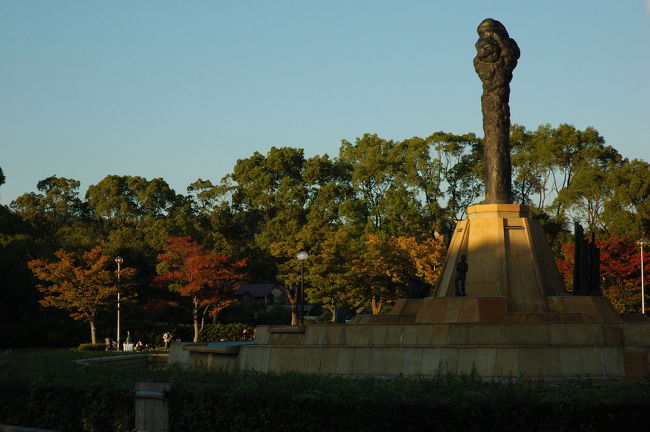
point(292, 296)
point(93, 333)
point(376, 305)
point(294, 315)
point(195, 312)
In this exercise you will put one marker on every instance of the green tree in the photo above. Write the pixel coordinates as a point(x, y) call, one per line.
point(627, 212)
point(589, 189)
point(330, 271)
point(57, 205)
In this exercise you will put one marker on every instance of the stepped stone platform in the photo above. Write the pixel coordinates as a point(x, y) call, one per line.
point(516, 322)
point(496, 350)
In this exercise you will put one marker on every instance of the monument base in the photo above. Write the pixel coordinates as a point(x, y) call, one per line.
point(515, 323)
point(525, 351)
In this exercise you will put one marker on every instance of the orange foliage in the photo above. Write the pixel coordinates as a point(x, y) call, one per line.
point(208, 278)
point(620, 271)
point(83, 286)
point(427, 257)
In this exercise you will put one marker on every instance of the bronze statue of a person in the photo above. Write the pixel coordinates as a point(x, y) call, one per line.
point(496, 57)
point(461, 273)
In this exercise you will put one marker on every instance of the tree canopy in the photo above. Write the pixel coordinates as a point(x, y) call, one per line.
point(373, 217)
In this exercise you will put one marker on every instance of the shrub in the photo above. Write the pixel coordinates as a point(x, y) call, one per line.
point(91, 347)
point(226, 332)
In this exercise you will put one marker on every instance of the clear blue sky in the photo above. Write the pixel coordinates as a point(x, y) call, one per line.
point(182, 89)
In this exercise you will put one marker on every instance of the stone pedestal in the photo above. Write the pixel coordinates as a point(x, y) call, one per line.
point(516, 322)
point(508, 256)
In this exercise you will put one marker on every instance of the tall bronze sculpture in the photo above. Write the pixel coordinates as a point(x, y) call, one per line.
point(496, 57)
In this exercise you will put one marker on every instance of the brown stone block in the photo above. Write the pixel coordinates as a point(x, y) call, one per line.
point(378, 362)
point(493, 309)
point(593, 362)
point(406, 307)
point(449, 359)
point(410, 335)
point(335, 334)
point(596, 308)
point(580, 334)
point(489, 334)
point(613, 335)
point(636, 364)
point(614, 362)
point(395, 361)
point(552, 364)
point(431, 310)
point(284, 359)
point(398, 308)
point(468, 310)
point(329, 361)
point(314, 335)
point(485, 363)
point(531, 363)
point(466, 361)
point(286, 338)
point(636, 334)
point(262, 335)
point(379, 334)
point(585, 333)
point(459, 334)
point(440, 334)
point(423, 334)
point(312, 360)
point(528, 334)
point(412, 361)
point(344, 360)
point(507, 362)
point(571, 362)
point(360, 361)
point(452, 311)
point(558, 335)
point(359, 335)
point(225, 363)
point(394, 335)
point(432, 362)
point(252, 357)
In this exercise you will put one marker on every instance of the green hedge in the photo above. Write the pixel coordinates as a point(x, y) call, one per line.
point(47, 389)
point(226, 332)
point(252, 402)
point(92, 347)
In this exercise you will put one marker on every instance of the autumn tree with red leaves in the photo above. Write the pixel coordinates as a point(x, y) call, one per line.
point(208, 278)
point(83, 286)
point(620, 271)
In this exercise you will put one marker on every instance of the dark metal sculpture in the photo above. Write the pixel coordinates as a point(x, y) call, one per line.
point(586, 265)
point(496, 57)
point(461, 273)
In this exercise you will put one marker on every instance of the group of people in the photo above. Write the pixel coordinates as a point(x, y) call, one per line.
point(128, 344)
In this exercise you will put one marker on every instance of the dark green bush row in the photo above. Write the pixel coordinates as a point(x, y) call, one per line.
point(312, 403)
point(44, 333)
point(48, 390)
point(91, 347)
point(226, 332)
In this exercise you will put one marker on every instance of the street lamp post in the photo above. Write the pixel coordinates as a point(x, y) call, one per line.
point(302, 256)
point(119, 262)
point(642, 243)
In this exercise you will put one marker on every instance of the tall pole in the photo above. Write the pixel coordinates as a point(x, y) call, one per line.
point(302, 256)
point(302, 292)
point(119, 262)
point(642, 243)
